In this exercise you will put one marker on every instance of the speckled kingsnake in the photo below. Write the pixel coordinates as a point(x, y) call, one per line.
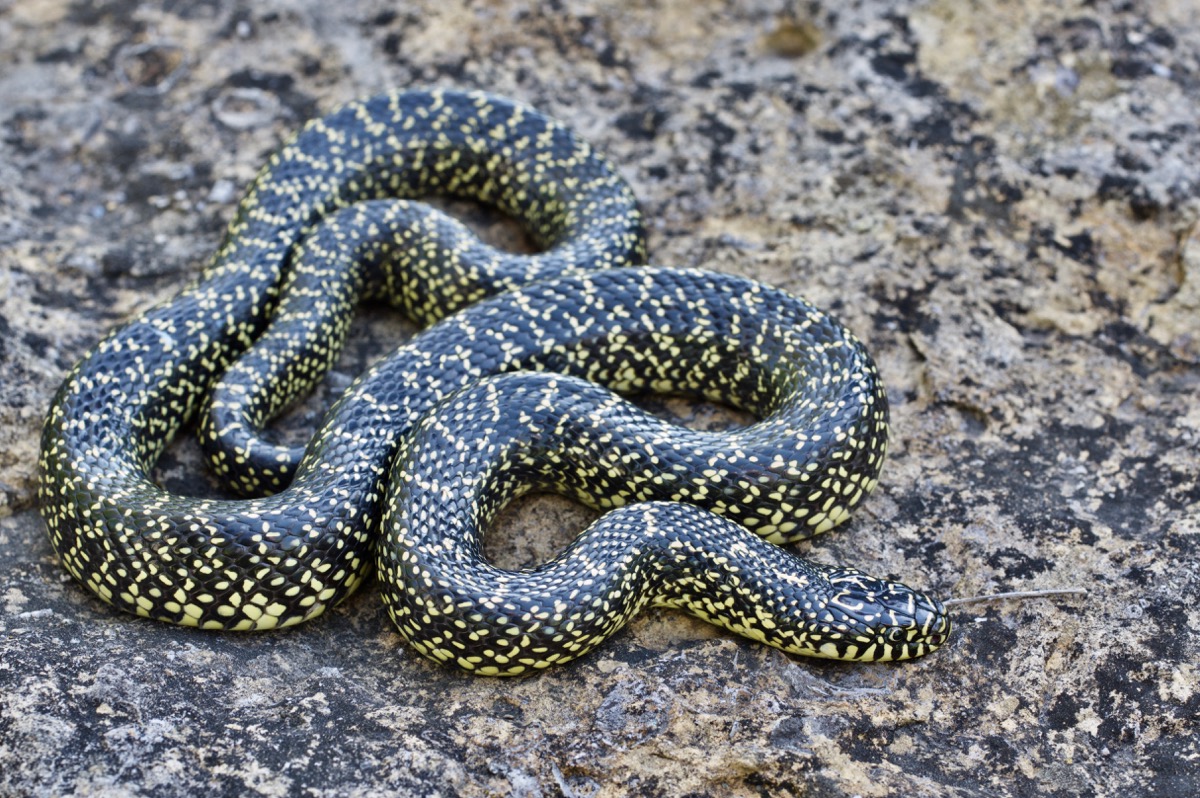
point(415, 459)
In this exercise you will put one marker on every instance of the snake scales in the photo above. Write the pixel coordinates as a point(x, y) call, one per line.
point(509, 390)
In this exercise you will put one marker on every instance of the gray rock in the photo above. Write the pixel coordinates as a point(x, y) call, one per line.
point(1001, 199)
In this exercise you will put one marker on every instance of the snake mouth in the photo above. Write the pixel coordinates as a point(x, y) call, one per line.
point(939, 630)
point(934, 623)
point(935, 641)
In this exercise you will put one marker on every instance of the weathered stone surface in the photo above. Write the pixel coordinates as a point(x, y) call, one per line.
point(1000, 198)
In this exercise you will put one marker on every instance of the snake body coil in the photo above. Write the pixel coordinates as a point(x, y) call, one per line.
point(412, 464)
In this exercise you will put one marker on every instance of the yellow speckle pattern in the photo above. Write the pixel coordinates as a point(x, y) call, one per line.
point(510, 390)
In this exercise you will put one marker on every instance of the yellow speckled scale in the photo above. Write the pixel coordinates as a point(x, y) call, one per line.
point(509, 390)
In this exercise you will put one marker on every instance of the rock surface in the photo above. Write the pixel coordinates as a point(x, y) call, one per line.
point(1001, 199)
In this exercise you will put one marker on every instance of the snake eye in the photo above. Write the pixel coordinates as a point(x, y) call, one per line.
point(896, 635)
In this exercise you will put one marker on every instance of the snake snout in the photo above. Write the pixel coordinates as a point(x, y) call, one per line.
point(931, 623)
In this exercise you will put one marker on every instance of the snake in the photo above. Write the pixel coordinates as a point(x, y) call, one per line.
point(519, 382)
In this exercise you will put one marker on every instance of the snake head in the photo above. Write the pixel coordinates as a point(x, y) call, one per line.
point(874, 620)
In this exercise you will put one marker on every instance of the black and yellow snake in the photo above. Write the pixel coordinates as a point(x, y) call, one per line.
point(501, 395)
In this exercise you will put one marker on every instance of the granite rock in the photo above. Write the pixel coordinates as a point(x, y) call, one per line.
point(999, 198)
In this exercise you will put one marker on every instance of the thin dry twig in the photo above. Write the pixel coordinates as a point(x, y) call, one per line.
point(1017, 594)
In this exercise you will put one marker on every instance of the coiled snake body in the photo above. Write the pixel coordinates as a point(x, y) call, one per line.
point(502, 397)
